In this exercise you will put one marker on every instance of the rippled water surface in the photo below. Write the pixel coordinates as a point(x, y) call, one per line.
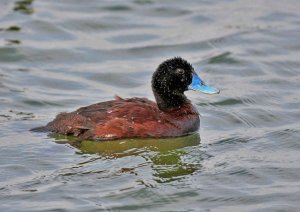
point(59, 55)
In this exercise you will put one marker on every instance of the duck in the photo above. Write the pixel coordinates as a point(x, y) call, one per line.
point(171, 115)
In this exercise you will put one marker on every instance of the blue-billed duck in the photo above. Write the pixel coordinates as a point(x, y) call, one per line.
point(171, 115)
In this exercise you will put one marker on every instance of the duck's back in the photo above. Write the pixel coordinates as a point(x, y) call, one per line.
point(126, 118)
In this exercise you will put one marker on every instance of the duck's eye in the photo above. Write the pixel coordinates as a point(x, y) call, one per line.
point(179, 71)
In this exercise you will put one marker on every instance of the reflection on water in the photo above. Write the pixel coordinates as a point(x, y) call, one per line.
point(13, 29)
point(24, 6)
point(165, 155)
point(12, 42)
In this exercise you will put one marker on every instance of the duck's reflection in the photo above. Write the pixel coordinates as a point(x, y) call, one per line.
point(24, 6)
point(166, 156)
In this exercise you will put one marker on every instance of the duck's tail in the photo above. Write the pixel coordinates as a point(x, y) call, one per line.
point(40, 129)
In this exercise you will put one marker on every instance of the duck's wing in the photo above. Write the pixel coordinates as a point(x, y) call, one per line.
point(133, 109)
point(79, 121)
point(107, 120)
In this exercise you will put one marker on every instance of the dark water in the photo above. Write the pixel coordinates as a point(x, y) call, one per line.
point(59, 55)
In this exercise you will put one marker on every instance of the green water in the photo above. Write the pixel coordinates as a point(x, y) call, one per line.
point(57, 56)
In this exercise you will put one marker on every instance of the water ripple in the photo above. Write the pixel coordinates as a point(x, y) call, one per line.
point(58, 56)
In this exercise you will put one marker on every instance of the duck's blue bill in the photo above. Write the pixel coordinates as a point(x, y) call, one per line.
point(198, 85)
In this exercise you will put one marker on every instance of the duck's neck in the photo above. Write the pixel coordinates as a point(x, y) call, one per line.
point(168, 101)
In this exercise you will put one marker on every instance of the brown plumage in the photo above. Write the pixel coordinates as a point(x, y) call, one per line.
point(126, 118)
point(172, 114)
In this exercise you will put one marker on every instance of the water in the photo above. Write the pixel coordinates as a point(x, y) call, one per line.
point(59, 55)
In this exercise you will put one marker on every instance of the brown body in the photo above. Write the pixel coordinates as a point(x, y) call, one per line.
point(171, 115)
point(127, 118)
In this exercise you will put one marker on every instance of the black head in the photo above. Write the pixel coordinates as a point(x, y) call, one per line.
point(169, 82)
